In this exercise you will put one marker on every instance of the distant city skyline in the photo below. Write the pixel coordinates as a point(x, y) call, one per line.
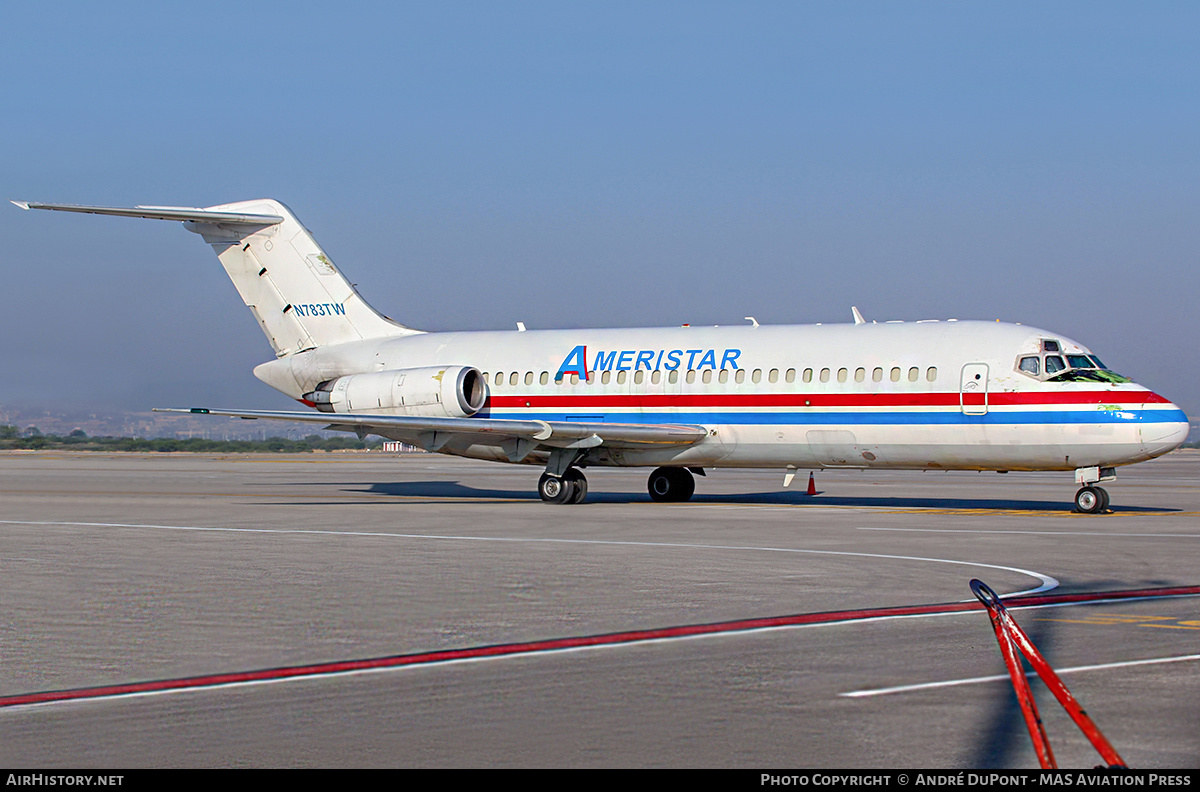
point(151, 425)
point(471, 165)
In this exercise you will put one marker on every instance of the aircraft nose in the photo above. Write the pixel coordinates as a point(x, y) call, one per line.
point(1169, 432)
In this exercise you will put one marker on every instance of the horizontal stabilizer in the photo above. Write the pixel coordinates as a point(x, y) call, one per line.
point(183, 213)
point(556, 434)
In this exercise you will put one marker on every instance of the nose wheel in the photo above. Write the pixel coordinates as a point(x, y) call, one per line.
point(1091, 500)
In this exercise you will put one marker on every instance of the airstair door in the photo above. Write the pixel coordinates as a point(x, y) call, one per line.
point(973, 389)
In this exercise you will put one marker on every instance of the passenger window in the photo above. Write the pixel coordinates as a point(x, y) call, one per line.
point(606, 377)
point(620, 377)
point(825, 375)
point(843, 374)
point(914, 374)
point(545, 378)
point(860, 374)
point(528, 377)
point(773, 376)
point(807, 375)
point(877, 375)
point(723, 376)
point(639, 376)
point(756, 376)
point(1054, 364)
point(656, 377)
point(691, 375)
point(1030, 366)
point(791, 375)
point(740, 376)
point(896, 374)
point(707, 375)
point(499, 377)
point(574, 379)
point(931, 374)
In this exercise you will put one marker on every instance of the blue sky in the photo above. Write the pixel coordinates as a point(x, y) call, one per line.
point(470, 165)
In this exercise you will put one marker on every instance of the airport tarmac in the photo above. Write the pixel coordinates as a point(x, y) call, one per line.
point(123, 569)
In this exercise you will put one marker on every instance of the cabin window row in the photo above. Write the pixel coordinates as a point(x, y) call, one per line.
point(896, 374)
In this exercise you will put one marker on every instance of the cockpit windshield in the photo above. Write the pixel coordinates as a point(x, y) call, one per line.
point(1051, 367)
point(1089, 375)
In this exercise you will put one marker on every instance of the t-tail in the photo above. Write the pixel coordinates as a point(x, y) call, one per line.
point(298, 296)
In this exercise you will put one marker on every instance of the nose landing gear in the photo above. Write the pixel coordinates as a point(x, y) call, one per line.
point(1091, 500)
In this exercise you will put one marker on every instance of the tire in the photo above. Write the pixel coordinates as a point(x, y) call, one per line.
point(1104, 498)
point(579, 484)
point(555, 490)
point(1089, 500)
point(671, 485)
point(687, 484)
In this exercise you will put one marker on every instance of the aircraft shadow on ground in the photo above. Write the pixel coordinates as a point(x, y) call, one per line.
point(456, 489)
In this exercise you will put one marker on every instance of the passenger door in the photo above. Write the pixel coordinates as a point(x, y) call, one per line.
point(973, 389)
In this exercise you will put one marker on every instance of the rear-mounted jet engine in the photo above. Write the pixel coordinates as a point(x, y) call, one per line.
point(437, 391)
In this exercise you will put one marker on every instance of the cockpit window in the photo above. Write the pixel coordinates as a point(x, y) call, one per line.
point(1050, 346)
point(1066, 367)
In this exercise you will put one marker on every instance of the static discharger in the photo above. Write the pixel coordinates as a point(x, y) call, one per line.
point(1013, 639)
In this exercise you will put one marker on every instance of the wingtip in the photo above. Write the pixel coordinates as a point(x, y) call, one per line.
point(22, 204)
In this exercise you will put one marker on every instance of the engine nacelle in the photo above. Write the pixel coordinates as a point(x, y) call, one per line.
point(435, 391)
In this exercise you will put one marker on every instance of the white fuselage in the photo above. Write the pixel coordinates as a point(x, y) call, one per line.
point(928, 395)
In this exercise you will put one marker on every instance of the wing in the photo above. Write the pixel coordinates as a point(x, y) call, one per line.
point(433, 433)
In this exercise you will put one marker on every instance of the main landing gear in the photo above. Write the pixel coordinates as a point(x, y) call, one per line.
point(671, 485)
point(571, 487)
point(666, 485)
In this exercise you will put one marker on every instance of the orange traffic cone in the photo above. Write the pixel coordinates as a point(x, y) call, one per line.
point(812, 484)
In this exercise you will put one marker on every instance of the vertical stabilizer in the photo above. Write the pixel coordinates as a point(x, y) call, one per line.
point(298, 296)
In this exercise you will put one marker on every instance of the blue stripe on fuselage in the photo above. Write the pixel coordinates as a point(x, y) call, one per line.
point(864, 418)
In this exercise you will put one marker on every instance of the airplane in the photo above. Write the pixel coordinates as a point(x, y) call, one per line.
point(926, 395)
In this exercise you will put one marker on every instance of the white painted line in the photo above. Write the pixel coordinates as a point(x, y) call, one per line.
point(976, 681)
point(1047, 583)
point(1002, 677)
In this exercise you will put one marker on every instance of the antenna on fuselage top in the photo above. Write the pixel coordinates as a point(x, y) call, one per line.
point(751, 320)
